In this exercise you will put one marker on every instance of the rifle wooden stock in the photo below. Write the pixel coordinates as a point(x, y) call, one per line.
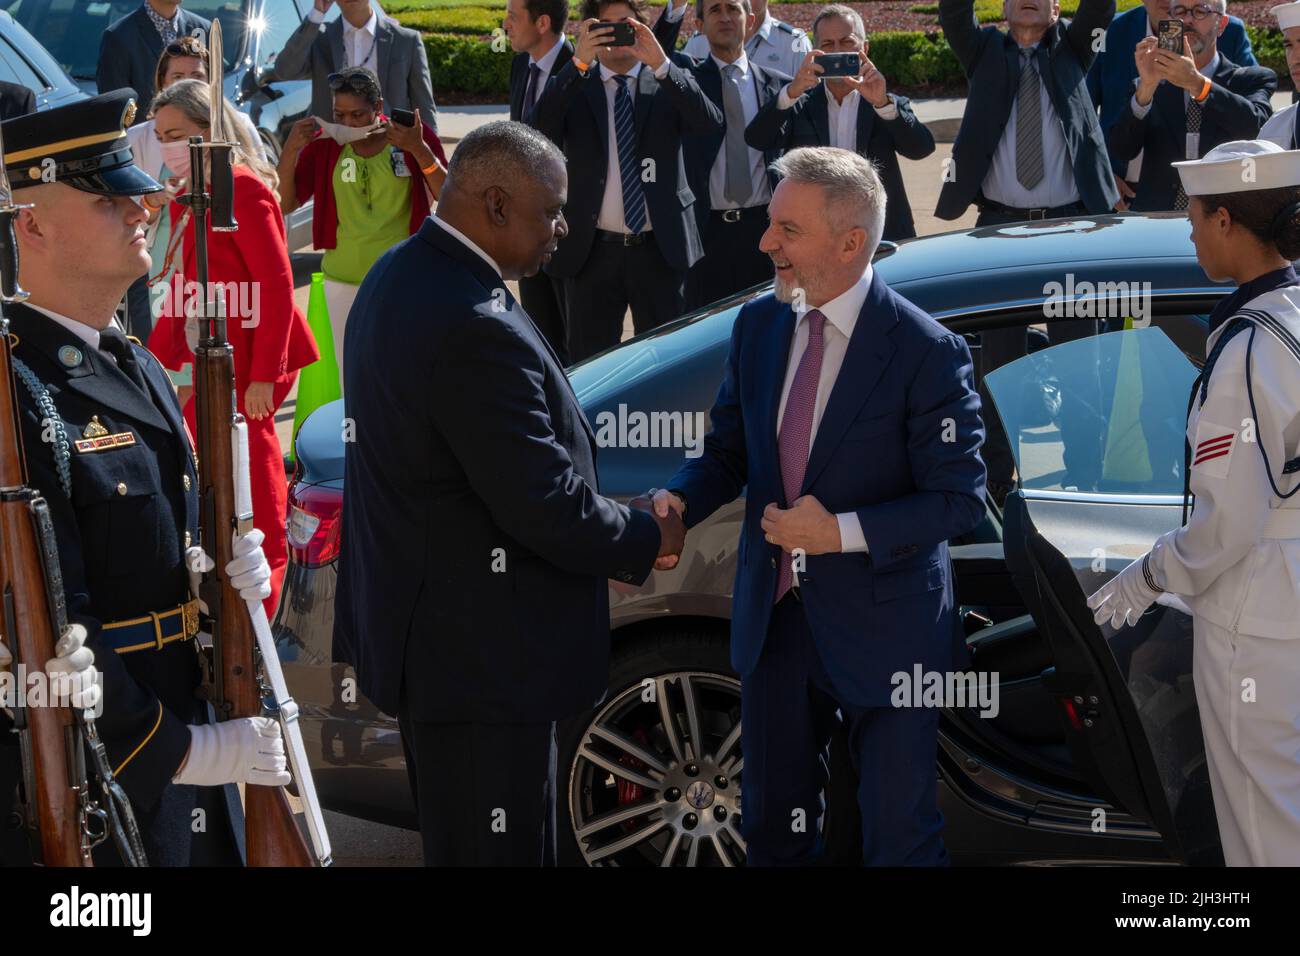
point(29, 630)
point(271, 833)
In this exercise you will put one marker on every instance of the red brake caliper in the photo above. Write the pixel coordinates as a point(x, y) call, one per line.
point(629, 792)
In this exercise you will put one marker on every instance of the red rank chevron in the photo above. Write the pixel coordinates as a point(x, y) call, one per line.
point(1213, 448)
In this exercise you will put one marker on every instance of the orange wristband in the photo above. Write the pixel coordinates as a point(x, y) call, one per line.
point(582, 67)
point(431, 168)
point(1205, 91)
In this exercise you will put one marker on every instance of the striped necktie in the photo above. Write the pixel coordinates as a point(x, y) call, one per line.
point(629, 170)
point(1029, 124)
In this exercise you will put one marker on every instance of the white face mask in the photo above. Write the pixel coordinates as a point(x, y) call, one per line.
point(345, 134)
point(176, 155)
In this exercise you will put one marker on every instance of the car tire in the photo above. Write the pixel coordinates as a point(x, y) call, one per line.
point(685, 811)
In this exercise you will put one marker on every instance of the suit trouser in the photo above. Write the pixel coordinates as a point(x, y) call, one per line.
point(542, 298)
point(484, 793)
point(732, 260)
point(614, 278)
point(1252, 745)
point(788, 710)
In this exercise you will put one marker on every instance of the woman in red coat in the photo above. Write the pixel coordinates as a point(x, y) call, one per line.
point(269, 334)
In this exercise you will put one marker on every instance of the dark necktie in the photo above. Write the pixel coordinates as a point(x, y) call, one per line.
point(531, 90)
point(795, 440)
point(1193, 126)
point(629, 170)
point(737, 186)
point(1029, 124)
point(113, 341)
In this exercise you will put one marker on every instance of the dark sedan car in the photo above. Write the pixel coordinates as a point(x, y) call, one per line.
point(24, 61)
point(1083, 744)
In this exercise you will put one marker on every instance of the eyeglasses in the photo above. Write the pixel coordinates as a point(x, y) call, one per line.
point(1198, 12)
point(356, 82)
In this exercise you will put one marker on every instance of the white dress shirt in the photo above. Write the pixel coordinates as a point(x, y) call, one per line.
point(842, 117)
point(1057, 187)
point(80, 329)
point(841, 317)
point(360, 46)
point(468, 243)
point(1192, 141)
point(546, 64)
point(610, 218)
point(759, 190)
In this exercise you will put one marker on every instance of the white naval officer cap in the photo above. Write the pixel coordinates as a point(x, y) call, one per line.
point(1241, 166)
point(1287, 15)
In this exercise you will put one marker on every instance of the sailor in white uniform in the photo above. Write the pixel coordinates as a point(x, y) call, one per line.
point(1281, 127)
point(1236, 562)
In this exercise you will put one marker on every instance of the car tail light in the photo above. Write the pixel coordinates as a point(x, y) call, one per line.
point(315, 520)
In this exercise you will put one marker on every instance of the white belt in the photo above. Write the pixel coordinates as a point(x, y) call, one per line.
point(1282, 524)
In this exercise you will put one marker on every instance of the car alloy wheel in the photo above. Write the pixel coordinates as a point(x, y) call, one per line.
point(655, 780)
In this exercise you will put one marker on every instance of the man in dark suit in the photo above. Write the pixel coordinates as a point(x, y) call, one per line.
point(720, 165)
point(868, 120)
point(1029, 146)
point(1186, 104)
point(853, 430)
point(130, 48)
point(359, 37)
point(473, 594)
point(1114, 72)
point(632, 230)
point(536, 32)
point(16, 100)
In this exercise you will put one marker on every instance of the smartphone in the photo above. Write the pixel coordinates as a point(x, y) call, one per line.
point(839, 64)
point(402, 117)
point(624, 33)
point(1170, 36)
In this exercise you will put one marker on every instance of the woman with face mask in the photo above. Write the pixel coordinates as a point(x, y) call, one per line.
point(250, 267)
point(371, 180)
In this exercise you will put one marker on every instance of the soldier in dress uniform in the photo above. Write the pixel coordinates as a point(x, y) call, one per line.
point(107, 448)
point(774, 45)
point(1236, 562)
point(1282, 127)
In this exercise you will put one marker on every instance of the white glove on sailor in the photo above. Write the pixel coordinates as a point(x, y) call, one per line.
point(248, 570)
point(243, 750)
point(72, 669)
point(1125, 597)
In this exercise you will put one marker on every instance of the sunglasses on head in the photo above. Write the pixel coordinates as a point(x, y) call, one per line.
point(357, 82)
point(186, 47)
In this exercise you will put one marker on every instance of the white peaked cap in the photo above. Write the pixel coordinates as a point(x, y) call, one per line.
point(1241, 166)
point(1288, 15)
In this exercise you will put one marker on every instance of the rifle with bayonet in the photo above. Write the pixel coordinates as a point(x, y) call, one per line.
point(63, 821)
point(246, 676)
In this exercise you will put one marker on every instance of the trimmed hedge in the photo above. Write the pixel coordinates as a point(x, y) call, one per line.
point(471, 21)
point(468, 64)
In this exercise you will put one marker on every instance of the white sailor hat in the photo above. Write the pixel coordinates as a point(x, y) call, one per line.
point(1241, 166)
point(1287, 15)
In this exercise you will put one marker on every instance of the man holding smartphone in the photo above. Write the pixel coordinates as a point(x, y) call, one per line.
point(1186, 103)
point(620, 122)
point(854, 111)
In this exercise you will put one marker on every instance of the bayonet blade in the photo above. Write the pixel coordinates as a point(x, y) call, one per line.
point(216, 76)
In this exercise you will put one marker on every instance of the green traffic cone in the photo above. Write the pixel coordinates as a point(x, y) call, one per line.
point(318, 383)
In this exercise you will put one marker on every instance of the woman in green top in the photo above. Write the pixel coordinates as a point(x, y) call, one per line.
point(371, 180)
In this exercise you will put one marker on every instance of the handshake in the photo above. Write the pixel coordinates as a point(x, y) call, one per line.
point(668, 510)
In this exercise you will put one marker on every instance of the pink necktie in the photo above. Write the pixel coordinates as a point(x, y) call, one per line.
point(796, 432)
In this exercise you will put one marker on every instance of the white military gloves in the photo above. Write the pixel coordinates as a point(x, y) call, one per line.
point(248, 570)
point(1125, 597)
point(243, 750)
point(72, 669)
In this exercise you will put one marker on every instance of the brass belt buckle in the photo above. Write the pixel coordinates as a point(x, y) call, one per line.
point(190, 617)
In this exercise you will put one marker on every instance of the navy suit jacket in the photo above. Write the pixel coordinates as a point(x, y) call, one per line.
point(897, 444)
point(991, 60)
point(702, 150)
point(1240, 101)
point(519, 78)
point(478, 547)
point(807, 123)
point(1114, 73)
point(129, 52)
point(573, 113)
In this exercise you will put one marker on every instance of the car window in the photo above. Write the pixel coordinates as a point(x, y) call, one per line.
point(71, 29)
point(232, 15)
point(276, 23)
point(15, 69)
point(1104, 414)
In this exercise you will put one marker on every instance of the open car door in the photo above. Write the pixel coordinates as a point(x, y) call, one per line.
point(1097, 429)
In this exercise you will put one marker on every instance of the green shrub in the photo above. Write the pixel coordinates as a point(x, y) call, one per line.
point(473, 21)
point(1267, 44)
point(912, 58)
point(468, 64)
